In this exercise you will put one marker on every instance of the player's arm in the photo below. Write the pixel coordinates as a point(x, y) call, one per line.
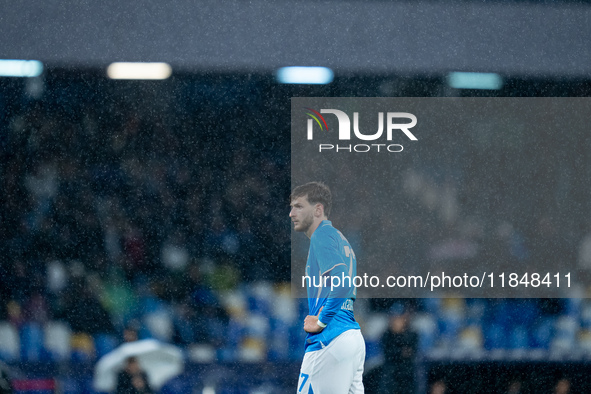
point(337, 295)
point(334, 264)
point(311, 323)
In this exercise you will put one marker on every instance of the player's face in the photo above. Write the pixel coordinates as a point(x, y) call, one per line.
point(301, 214)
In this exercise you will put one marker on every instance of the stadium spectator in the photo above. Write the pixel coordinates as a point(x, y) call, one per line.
point(399, 346)
point(132, 379)
point(562, 386)
point(439, 387)
point(131, 331)
point(5, 381)
point(83, 311)
point(515, 387)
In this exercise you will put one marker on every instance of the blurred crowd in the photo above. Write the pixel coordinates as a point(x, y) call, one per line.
point(107, 214)
point(174, 221)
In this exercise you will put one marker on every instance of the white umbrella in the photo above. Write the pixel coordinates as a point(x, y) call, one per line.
point(160, 361)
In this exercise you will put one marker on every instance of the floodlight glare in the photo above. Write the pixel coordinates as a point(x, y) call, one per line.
point(470, 80)
point(305, 75)
point(123, 70)
point(20, 68)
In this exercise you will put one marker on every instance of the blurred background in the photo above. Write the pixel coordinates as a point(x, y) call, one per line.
point(159, 207)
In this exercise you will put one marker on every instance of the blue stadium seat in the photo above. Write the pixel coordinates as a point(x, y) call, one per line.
point(519, 338)
point(585, 315)
point(296, 342)
point(279, 343)
point(177, 385)
point(476, 310)
point(522, 312)
point(31, 335)
point(105, 343)
point(70, 385)
point(450, 325)
point(372, 349)
point(185, 329)
point(494, 337)
point(151, 304)
point(499, 313)
point(573, 306)
point(431, 305)
point(542, 333)
point(425, 325)
point(259, 298)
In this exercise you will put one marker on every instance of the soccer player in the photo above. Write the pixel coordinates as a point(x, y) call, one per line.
point(334, 348)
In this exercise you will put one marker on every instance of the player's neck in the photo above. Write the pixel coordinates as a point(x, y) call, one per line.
point(314, 226)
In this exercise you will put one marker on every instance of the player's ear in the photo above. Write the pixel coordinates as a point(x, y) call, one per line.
point(319, 211)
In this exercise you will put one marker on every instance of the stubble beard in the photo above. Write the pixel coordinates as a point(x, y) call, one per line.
point(306, 223)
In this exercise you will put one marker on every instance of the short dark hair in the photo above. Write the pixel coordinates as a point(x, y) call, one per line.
point(315, 192)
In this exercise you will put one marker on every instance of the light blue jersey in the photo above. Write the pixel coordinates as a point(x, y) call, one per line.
point(330, 256)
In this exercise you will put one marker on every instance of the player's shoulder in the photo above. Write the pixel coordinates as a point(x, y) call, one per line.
point(325, 231)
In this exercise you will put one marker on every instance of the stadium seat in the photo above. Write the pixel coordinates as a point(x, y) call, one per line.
point(9, 342)
point(373, 329)
point(397, 308)
point(184, 328)
point(260, 297)
point(566, 329)
point(296, 342)
point(522, 312)
point(426, 326)
point(159, 325)
point(585, 341)
point(431, 305)
point(372, 349)
point(573, 306)
point(235, 303)
point(470, 339)
point(70, 385)
point(257, 326)
point(585, 314)
point(499, 313)
point(151, 304)
point(495, 337)
point(82, 348)
point(31, 342)
point(57, 336)
point(104, 343)
point(177, 386)
point(201, 353)
point(284, 306)
point(519, 338)
point(542, 334)
point(278, 345)
point(252, 350)
point(451, 319)
point(475, 311)
point(375, 326)
point(236, 332)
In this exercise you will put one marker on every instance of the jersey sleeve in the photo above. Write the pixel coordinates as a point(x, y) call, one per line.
point(332, 263)
point(328, 255)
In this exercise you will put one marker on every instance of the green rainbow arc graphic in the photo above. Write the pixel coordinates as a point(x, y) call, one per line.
point(316, 116)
